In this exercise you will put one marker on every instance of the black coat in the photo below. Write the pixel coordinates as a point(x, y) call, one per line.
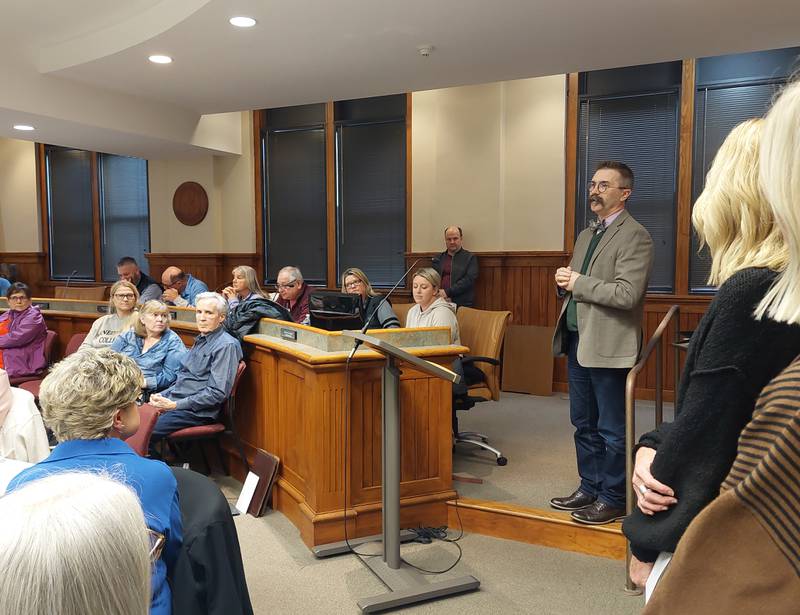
point(463, 274)
point(731, 357)
point(243, 318)
point(208, 577)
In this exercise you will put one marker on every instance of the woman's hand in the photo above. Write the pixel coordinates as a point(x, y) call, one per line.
point(228, 292)
point(651, 495)
point(640, 571)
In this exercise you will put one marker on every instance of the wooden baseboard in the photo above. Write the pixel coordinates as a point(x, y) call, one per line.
point(535, 526)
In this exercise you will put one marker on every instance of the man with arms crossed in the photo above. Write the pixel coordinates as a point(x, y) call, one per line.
point(599, 329)
point(206, 377)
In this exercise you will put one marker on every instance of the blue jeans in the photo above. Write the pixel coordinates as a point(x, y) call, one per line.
point(597, 411)
point(173, 420)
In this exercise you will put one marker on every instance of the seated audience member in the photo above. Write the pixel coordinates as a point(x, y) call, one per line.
point(740, 555)
point(430, 309)
point(732, 356)
point(4, 285)
point(206, 376)
point(22, 433)
point(293, 294)
point(356, 282)
point(157, 350)
point(89, 401)
point(121, 316)
point(148, 288)
point(243, 287)
point(74, 544)
point(181, 288)
point(457, 268)
point(23, 334)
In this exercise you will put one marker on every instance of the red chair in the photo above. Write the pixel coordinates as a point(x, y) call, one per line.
point(140, 441)
point(49, 342)
point(215, 430)
point(32, 386)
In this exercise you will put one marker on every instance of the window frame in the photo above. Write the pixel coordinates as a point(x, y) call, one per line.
point(44, 216)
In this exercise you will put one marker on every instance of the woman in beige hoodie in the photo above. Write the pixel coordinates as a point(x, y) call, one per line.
point(430, 310)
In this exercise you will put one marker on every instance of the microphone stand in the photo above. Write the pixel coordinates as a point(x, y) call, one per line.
point(380, 305)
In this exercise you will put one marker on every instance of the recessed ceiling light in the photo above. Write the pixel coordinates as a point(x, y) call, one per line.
point(242, 22)
point(22, 127)
point(159, 59)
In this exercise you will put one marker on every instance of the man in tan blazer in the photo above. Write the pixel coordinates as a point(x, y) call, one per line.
point(599, 329)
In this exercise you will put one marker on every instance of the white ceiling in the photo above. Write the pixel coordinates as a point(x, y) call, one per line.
point(83, 65)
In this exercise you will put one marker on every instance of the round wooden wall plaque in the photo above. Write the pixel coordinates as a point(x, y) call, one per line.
point(190, 203)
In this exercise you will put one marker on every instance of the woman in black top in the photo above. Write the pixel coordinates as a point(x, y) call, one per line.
point(732, 356)
point(356, 282)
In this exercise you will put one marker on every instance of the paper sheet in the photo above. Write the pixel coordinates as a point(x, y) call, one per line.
point(246, 496)
point(658, 569)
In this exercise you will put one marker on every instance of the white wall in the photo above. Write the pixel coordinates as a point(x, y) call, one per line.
point(19, 213)
point(490, 158)
point(229, 225)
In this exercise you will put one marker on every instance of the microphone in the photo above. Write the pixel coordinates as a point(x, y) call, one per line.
point(380, 305)
point(69, 277)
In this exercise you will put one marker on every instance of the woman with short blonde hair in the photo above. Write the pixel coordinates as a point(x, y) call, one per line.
point(121, 315)
point(679, 467)
point(89, 401)
point(157, 349)
point(74, 544)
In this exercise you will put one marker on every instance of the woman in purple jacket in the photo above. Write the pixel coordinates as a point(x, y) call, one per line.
point(23, 343)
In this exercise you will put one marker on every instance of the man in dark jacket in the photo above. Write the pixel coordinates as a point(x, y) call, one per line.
point(458, 268)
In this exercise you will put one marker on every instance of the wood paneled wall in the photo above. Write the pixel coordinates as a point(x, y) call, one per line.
point(31, 268)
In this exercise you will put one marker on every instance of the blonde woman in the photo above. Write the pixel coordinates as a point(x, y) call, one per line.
point(89, 401)
point(430, 309)
point(157, 349)
point(74, 544)
point(244, 286)
point(121, 316)
point(356, 282)
point(679, 467)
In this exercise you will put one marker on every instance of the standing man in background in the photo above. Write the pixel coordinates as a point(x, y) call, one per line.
point(600, 331)
point(458, 269)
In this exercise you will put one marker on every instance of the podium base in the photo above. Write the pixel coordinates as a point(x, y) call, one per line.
point(338, 548)
point(409, 587)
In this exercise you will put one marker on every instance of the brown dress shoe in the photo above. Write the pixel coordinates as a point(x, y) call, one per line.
point(576, 501)
point(598, 513)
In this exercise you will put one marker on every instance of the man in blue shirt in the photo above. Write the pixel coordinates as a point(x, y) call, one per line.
point(4, 286)
point(181, 288)
point(205, 379)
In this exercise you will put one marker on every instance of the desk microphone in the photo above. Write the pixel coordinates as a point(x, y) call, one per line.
point(380, 305)
point(69, 277)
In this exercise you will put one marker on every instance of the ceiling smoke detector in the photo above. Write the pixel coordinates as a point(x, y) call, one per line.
point(425, 50)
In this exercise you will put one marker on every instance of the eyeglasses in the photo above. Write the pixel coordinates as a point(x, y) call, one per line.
point(289, 285)
point(356, 284)
point(602, 186)
point(124, 296)
point(157, 541)
point(19, 298)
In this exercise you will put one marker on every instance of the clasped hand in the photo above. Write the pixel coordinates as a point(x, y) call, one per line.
point(565, 278)
point(652, 496)
point(159, 401)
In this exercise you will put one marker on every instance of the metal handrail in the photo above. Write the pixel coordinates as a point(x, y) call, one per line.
point(655, 343)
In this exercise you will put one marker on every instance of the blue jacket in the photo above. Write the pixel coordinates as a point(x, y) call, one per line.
point(160, 364)
point(152, 481)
